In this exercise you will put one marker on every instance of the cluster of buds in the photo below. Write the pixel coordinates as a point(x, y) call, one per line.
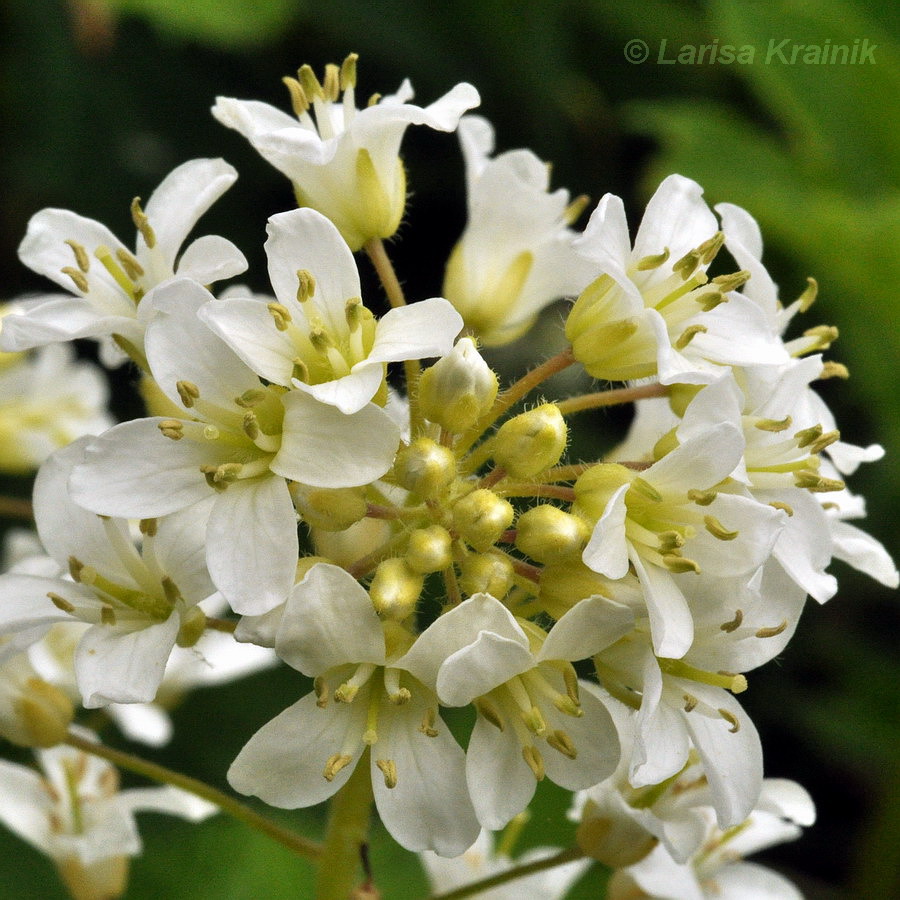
point(449, 553)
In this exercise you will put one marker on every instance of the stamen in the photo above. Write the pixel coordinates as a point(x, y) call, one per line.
point(172, 429)
point(834, 370)
point(170, 589)
point(281, 314)
point(389, 770)
point(772, 632)
point(331, 86)
point(826, 440)
point(75, 567)
point(336, 762)
point(735, 623)
point(678, 668)
point(251, 398)
point(535, 761)
point(348, 72)
point(77, 276)
point(732, 282)
point(148, 527)
point(396, 694)
point(349, 689)
point(825, 336)
point(61, 603)
point(300, 371)
point(490, 712)
point(374, 100)
point(808, 297)
point(680, 564)
point(107, 615)
point(82, 260)
point(688, 335)
point(427, 727)
point(701, 498)
point(645, 489)
point(188, 392)
point(561, 741)
point(307, 285)
point(718, 530)
point(709, 300)
point(690, 702)
point(574, 210)
point(133, 269)
point(731, 719)
point(817, 483)
point(784, 507)
point(310, 83)
point(250, 425)
point(774, 425)
point(320, 686)
point(299, 102)
point(142, 223)
point(647, 263)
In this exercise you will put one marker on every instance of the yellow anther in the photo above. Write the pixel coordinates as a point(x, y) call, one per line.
point(731, 719)
point(400, 697)
point(331, 85)
point(808, 297)
point(709, 249)
point(687, 265)
point(75, 568)
point(574, 210)
point(300, 371)
point(389, 770)
point(427, 727)
point(535, 761)
point(647, 263)
point(335, 763)
point(735, 623)
point(148, 527)
point(142, 223)
point(61, 603)
point(774, 425)
point(353, 312)
point(320, 686)
point(87, 575)
point(82, 260)
point(188, 392)
point(374, 100)
point(490, 712)
point(570, 676)
point(299, 101)
point(561, 741)
point(133, 269)
point(645, 489)
point(172, 428)
point(807, 436)
point(701, 498)
point(784, 507)
point(771, 632)
point(680, 564)
point(170, 589)
point(77, 276)
point(348, 71)
point(709, 300)
point(825, 336)
point(310, 83)
point(826, 440)
point(718, 530)
point(834, 370)
point(250, 425)
point(816, 483)
point(306, 285)
point(281, 314)
point(346, 692)
point(732, 282)
point(107, 615)
point(690, 702)
point(688, 335)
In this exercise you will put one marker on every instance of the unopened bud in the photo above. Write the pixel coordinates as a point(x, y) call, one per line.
point(595, 487)
point(531, 442)
point(481, 517)
point(33, 712)
point(429, 549)
point(612, 836)
point(425, 467)
point(331, 509)
point(458, 389)
point(566, 582)
point(546, 533)
point(488, 573)
point(395, 589)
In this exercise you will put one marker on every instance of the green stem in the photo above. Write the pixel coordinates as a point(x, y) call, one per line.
point(16, 508)
point(347, 834)
point(611, 398)
point(295, 842)
point(539, 865)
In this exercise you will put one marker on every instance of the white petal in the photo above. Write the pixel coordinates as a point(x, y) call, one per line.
point(418, 331)
point(25, 805)
point(350, 393)
point(180, 549)
point(671, 623)
point(283, 762)
point(607, 550)
point(115, 666)
point(146, 723)
point(588, 627)
point(328, 621)
point(252, 544)
point(489, 661)
point(211, 258)
point(321, 446)
point(750, 881)
point(24, 604)
point(701, 462)
point(864, 553)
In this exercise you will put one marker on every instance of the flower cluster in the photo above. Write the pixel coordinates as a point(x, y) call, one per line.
point(433, 548)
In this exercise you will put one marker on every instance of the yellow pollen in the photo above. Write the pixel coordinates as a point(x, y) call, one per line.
point(709, 300)
point(172, 428)
point(335, 763)
point(834, 370)
point(142, 223)
point(61, 603)
point(320, 686)
point(732, 282)
point(808, 297)
point(574, 210)
point(75, 568)
point(718, 530)
point(348, 71)
point(774, 425)
point(777, 504)
point(306, 286)
point(535, 761)
point(281, 315)
point(731, 719)
point(77, 276)
point(188, 392)
point(299, 101)
point(690, 702)
point(107, 615)
point(701, 498)
point(133, 269)
point(374, 100)
point(772, 632)
point(490, 712)
point(688, 335)
point(826, 335)
point(170, 589)
point(331, 86)
point(427, 727)
point(148, 527)
point(680, 564)
point(816, 483)
point(82, 259)
point(310, 83)
point(250, 425)
point(561, 741)
point(251, 398)
point(389, 770)
point(735, 623)
point(646, 263)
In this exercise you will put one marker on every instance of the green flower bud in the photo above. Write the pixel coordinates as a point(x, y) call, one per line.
point(458, 389)
point(531, 442)
point(38, 714)
point(331, 509)
point(595, 486)
point(488, 573)
point(612, 837)
point(546, 533)
point(425, 467)
point(395, 589)
point(563, 584)
point(481, 517)
point(429, 549)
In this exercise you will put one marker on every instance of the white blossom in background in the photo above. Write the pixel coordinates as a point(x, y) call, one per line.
point(483, 859)
point(71, 810)
point(515, 256)
point(341, 160)
point(319, 337)
point(108, 280)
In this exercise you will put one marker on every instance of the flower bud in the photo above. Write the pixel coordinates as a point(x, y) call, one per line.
point(481, 517)
point(530, 442)
point(458, 389)
point(546, 533)
point(594, 488)
point(563, 584)
point(611, 836)
point(488, 573)
point(429, 549)
point(33, 712)
point(395, 589)
point(330, 509)
point(103, 879)
point(425, 467)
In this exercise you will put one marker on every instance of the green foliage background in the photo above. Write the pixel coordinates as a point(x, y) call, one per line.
point(100, 98)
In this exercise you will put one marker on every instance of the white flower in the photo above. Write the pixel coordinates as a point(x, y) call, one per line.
point(525, 694)
point(137, 602)
point(346, 162)
point(73, 811)
point(364, 699)
point(653, 310)
point(482, 860)
point(110, 281)
point(717, 870)
point(237, 441)
point(515, 255)
point(318, 337)
point(47, 400)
